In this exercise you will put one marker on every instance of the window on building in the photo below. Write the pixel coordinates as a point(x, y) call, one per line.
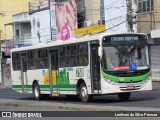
point(17, 33)
point(145, 5)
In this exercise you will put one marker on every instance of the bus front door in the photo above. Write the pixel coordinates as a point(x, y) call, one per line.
point(95, 68)
point(24, 79)
point(53, 68)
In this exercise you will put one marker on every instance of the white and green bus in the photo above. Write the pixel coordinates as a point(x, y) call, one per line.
point(85, 67)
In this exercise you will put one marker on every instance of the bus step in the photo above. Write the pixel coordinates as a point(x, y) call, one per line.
point(55, 94)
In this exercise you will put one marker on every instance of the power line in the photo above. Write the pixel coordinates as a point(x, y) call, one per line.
point(49, 35)
point(102, 9)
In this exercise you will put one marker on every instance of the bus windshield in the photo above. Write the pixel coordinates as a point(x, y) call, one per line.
point(121, 57)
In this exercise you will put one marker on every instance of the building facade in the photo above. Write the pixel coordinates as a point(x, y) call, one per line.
point(148, 20)
point(7, 9)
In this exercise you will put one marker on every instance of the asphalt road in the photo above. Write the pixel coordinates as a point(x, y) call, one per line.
point(149, 99)
point(140, 100)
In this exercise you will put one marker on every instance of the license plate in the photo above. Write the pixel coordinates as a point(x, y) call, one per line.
point(130, 87)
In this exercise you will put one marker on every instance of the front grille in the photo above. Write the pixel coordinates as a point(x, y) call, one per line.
point(127, 73)
point(125, 88)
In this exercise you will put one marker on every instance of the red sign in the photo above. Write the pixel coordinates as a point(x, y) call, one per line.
point(8, 50)
point(121, 68)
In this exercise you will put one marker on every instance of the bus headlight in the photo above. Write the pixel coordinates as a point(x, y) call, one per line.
point(109, 81)
point(145, 81)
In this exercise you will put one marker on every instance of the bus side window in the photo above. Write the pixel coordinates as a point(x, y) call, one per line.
point(24, 63)
point(62, 56)
point(31, 60)
point(71, 55)
point(83, 54)
point(42, 59)
point(16, 61)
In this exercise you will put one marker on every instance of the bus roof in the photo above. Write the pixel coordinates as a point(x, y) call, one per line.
point(70, 41)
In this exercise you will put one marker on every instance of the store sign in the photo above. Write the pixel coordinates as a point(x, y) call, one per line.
point(90, 30)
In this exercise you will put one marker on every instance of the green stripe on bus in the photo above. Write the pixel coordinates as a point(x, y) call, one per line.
point(20, 86)
point(46, 86)
point(127, 79)
point(18, 89)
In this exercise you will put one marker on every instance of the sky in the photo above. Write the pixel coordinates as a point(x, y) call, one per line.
point(115, 15)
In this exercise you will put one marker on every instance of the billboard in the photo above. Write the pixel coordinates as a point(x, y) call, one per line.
point(66, 19)
point(53, 21)
point(40, 27)
point(57, 23)
point(115, 15)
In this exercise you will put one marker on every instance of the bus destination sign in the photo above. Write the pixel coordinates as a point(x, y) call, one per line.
point(125, 38)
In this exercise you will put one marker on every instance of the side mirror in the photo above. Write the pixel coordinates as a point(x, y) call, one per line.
point(100, 52)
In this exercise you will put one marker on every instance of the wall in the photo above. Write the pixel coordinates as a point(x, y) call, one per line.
point(93, 10)
point(9, 8)
point(144, 23)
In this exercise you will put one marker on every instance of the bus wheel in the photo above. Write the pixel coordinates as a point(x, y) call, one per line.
point(124, 96)
point(36, 91)
point(84, 93)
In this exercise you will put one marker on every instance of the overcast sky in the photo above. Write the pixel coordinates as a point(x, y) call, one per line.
point(115, 15)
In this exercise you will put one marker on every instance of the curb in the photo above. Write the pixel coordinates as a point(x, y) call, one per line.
point(53, 107)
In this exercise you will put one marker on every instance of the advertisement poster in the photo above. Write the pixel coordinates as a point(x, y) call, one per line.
point(115, 15)
point(53, 21)
point(6, 47)
point(40, 27)
point(66, 19)
point(7, 76)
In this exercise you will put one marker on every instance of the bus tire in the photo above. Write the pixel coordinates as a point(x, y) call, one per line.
point(36, 91)
point(84, 93)
point(124, 96)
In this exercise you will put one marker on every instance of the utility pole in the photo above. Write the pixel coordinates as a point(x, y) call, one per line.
point(129, 15)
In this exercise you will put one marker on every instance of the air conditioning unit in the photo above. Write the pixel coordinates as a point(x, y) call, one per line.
point(101, 22)
point(88, 23)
